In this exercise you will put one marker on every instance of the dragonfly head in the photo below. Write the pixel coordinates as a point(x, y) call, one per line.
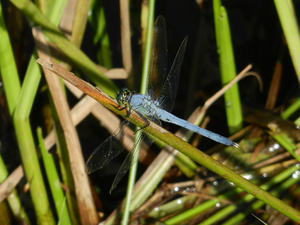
point(124, 96)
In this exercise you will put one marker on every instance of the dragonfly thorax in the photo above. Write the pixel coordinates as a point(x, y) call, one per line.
point(144, 104)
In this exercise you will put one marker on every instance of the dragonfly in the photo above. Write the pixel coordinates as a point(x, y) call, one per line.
point(155, 105)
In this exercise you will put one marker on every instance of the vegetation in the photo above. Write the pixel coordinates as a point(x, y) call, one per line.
point(107, 44)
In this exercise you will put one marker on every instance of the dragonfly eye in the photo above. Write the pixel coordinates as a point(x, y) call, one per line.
point(123, 96)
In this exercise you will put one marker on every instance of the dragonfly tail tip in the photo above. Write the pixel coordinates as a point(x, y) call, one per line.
point(236, 145)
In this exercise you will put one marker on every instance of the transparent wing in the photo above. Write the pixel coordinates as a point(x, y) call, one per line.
point(125, 165)
point(159, 61)
point(106, 151)
point(109, 150)
point(168, 92)
point(163, 85)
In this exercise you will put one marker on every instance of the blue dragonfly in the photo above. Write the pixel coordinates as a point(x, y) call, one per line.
point(155, 105)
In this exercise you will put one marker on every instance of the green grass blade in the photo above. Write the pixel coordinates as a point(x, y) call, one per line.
point(143, 89)
point(101, 38)
point(54, 182)
point(227, 67)
point(27, 146)
point(285, 141)
point(11, 83)
point(131, 179)
point(288, 20)
point(147, 51)
point(291, 109)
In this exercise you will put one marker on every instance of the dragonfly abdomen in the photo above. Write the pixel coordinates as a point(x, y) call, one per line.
point(170, 118)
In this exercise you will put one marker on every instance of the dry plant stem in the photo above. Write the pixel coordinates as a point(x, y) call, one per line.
point(68, 25)
point(116, 73)
point(125, 35)
point(75, 91)
point(241, 133)
point(257, 150)
point(144, 19)
point(7, 186)
point(87, 210)
point(212, 99)
point(275, 159)
point(274, 87)
point(80, 20)
point(78, 113)
point(67, 19)
point(276, 167)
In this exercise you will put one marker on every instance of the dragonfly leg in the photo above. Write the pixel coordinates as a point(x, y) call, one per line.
point(120, 108)
point(128, 112)
point(147, 123)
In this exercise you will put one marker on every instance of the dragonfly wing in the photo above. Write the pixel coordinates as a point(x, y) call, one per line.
point(168, 92)
point(125, 165)
point(106, 151)
point(159, 61)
